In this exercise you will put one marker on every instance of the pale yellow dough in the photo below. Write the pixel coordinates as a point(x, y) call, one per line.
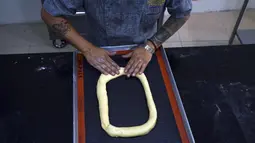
point(104, 110)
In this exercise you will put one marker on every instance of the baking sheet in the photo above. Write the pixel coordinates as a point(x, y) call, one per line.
point(128, 106)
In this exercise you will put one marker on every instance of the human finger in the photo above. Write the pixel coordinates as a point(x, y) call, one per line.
point(143, 67)
point(138, 68)
point(111, 53)
point(103, 63)
point(106, 68)
point(127, 55)
point(133, 67)
point(98, 67)
point(129, 64)
point(114, 67)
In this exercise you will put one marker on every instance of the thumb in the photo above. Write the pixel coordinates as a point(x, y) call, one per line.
point(111, 53)
point(127, 55)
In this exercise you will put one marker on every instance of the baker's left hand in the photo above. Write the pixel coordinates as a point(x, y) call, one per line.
point(139, 60)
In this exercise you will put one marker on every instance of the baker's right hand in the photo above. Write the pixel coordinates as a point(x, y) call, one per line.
point(100, 59)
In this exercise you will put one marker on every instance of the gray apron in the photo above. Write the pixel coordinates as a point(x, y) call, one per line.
point(122, 22)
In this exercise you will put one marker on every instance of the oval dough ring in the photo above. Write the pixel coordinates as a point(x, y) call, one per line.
point(104, 111)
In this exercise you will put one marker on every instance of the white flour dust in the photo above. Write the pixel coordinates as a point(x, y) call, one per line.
point(43, 68)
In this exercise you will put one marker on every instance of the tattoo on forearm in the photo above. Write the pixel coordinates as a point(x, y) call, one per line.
point(168, 29)
point(61, 28)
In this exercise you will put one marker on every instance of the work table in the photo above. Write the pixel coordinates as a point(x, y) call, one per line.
point(216, 86)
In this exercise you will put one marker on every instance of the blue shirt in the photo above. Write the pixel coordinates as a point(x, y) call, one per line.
point(119, 22)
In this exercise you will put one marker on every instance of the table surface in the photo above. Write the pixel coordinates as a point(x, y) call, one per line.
point(217, 87)
point(36, 98)
point(36, 101)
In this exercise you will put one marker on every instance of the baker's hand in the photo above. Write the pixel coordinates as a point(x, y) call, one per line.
point(100, 59)
point(140, 58)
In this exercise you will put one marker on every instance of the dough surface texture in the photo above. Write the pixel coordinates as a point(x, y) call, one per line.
point(133, 131)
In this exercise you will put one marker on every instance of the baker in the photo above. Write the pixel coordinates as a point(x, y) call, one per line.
point(117, 22)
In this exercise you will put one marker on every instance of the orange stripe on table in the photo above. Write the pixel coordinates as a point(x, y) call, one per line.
point(172, 99)
point(123, 52)
point(80, 92)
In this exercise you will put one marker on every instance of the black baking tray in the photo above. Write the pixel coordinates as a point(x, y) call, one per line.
point(36, 98)
point(127, 106)
point(217, 87)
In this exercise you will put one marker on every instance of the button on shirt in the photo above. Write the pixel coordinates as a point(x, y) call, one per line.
point(119, 22)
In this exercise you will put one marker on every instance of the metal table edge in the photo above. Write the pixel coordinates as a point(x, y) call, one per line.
point(75, 100)
point(119, 48)
point(178, 97)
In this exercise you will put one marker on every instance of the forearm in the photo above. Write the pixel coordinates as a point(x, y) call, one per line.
point(63, 28)
point(171, 26)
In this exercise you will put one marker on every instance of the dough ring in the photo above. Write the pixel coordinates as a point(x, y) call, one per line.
point(104, 111)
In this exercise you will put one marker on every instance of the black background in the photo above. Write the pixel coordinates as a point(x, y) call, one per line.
point(36, 98)
point(217, 86)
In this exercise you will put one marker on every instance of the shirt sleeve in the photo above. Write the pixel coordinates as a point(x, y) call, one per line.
point(179, 8)
point(62, 7)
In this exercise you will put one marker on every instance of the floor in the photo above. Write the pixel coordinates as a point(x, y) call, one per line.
point(202, 29)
